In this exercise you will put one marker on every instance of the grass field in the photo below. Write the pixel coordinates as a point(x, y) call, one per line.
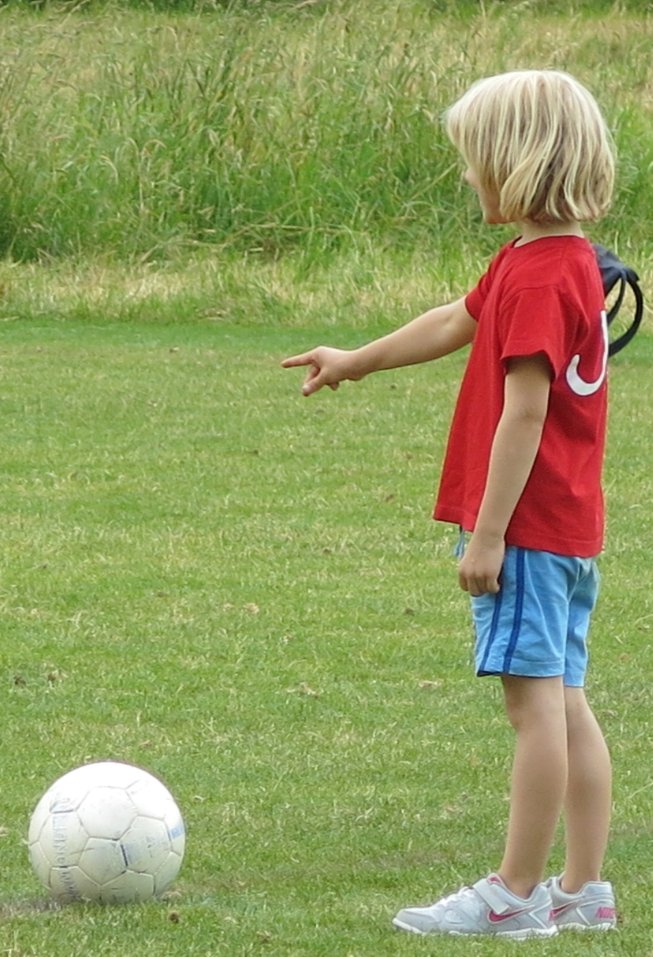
point(206, 574)
point(242, 590)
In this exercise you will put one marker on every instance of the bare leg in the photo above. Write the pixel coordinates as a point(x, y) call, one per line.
point(536, 710)
point(588, 802)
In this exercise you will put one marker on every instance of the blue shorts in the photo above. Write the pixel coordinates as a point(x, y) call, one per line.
point(537, 625)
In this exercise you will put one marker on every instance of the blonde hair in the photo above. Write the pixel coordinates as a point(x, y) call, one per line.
point(538, 141)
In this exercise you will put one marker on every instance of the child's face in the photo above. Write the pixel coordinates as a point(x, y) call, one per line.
point(489, 201)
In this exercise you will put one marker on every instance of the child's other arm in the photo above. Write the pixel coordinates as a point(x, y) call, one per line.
point(432, 335)
point(515, 445)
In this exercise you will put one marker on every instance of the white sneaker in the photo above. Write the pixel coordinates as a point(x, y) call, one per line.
point(486, 908)
point(591, 908)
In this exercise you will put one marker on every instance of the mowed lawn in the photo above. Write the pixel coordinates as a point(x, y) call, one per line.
point(242, 590)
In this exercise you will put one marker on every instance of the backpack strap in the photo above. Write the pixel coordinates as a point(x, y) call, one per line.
point(614, 272)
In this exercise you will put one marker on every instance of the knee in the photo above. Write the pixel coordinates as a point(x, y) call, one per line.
point(519, 712)
point(579, 715)
point(532, 702)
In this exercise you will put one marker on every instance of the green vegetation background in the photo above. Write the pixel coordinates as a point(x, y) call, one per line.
point(204, 574)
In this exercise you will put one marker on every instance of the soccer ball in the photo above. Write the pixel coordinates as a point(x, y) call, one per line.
point(106, 832)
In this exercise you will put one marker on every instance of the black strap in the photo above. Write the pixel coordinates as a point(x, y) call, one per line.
point(613, 272)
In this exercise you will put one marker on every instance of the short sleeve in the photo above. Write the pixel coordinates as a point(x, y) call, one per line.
point(475, 299)
point(538, 321)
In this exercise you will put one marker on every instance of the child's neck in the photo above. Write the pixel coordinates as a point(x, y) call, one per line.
point(530, 231)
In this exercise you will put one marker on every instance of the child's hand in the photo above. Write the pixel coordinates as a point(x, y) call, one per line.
point(480, 567)
point(326, 366)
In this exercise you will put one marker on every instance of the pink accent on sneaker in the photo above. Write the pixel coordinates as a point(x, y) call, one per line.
point(558, 911)
point(495, 918)
point(606, 913)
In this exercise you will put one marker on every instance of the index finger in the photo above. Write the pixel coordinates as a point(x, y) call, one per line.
point(305, 359)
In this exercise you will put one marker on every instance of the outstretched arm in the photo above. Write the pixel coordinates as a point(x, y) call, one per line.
point(432, 335)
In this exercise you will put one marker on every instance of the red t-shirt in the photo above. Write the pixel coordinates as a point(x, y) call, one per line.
point(545, 297)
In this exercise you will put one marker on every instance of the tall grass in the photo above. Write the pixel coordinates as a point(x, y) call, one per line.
point(273, 126)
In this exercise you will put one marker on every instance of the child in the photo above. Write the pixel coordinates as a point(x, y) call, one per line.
point(522, 476)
